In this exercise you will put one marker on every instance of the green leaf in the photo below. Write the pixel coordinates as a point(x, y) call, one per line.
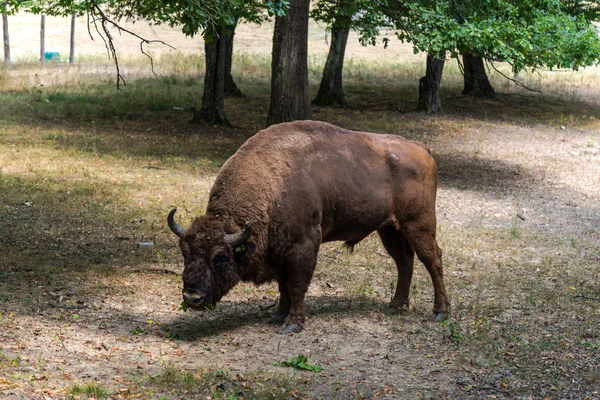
point(533, 33)
point(300, 362)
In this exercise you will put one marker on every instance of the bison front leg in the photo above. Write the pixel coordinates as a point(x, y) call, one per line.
point(300, 266)
point(295, 318)
point(284, 303)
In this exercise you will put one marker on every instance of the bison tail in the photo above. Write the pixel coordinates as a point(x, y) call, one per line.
point(349, 245)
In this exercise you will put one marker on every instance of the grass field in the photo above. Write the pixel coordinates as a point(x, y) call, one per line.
point(87, 173)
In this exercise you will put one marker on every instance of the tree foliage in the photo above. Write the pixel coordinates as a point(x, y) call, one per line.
point(523, 33)
point(193, 16)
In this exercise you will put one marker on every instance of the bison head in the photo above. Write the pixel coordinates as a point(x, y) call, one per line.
point(214, 258)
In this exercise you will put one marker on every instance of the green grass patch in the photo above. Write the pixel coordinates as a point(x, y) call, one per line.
point(88, 391)
point(221, 384)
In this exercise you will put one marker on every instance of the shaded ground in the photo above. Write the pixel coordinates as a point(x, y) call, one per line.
point(519, 222)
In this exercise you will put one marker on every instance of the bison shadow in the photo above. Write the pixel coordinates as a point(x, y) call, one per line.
point(231, 316)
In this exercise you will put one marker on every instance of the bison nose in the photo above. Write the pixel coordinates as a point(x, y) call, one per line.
point(193, 297)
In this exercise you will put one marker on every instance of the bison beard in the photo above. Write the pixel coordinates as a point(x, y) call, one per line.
point(296, 185)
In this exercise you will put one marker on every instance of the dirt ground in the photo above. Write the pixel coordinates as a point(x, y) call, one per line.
point(118, 327)
point(518, 220)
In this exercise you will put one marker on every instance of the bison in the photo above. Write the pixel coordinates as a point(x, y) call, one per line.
point(296, 185)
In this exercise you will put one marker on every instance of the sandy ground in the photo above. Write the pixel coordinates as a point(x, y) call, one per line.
point(550, 177)
point(534, 179)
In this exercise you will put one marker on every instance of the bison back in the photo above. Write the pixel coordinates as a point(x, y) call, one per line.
point(312, 178)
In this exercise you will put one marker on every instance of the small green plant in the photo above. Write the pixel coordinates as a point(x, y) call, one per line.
point(455, 332)
point(90, 389)
point(171, 335)
point(53, 137)
point(183, 307)
point(413, 291)
point(9, 362)
point(515, 229)
point(300, 362)
point(591, 346)
point(138, 330)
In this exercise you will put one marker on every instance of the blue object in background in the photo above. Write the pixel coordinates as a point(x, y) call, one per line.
point(52, 55)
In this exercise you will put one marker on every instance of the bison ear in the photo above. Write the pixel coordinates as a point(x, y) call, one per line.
point(243, 251)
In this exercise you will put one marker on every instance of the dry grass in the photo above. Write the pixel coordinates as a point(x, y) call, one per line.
point(86, 173)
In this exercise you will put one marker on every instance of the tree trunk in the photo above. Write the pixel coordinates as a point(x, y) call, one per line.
point(429, 85)
point(42, 38)
point(6, 39)
point(476, 80)
point(231, 88)
point(212, 110)
point(72, 46)
point(290, 98)
point(331, 91)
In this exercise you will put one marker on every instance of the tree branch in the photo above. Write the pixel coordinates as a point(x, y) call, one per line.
point(105, 23)
point(461, 67)
point(516, 81)
point(583, 296)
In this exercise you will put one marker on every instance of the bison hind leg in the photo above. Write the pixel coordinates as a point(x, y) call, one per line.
point(398, 247)
point(349, 245)
point(422, 238)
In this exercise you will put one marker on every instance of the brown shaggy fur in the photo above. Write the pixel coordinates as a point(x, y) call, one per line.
point(304, 183)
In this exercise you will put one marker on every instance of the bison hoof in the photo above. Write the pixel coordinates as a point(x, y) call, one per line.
point(441, 316)
point(291, 328)
point(276, 319)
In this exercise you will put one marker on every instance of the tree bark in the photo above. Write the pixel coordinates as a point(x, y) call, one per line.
point(6, 39)
point(476, 80)
point(231, 88)
point(290, 98)
point(42, 38)
point(212, 110)
point(429, 85)
point(331, 91)
point(72, 44)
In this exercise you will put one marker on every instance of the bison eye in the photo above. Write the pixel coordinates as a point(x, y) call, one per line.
point(220, 261)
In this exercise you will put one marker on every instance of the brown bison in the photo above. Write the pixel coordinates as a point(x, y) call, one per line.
point(296, 185)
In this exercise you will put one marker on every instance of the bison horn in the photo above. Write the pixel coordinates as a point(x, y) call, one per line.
point(235, 239)
point(178, 230)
